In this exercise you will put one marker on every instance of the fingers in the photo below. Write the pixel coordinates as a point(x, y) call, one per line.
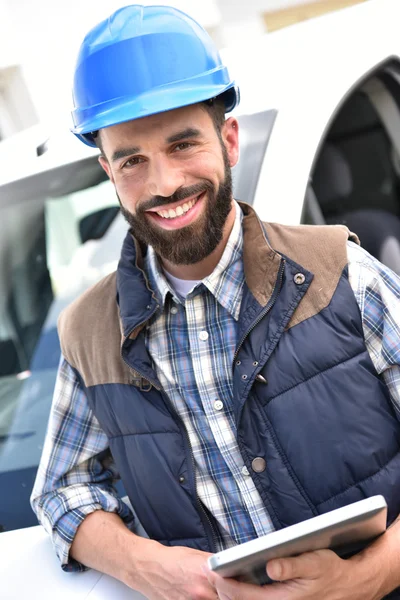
point(229, 589)
point(306, 566)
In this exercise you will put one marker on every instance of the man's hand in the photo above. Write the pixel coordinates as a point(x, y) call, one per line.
point(174, 574)
point(159, 572)
point(310, 576)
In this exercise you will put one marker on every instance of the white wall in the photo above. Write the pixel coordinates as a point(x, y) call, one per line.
point(8, 53)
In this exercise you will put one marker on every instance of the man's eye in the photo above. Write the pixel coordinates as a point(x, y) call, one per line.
point(183, 146)
point(132, 162)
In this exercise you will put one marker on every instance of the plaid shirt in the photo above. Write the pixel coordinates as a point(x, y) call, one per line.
point(192, 344)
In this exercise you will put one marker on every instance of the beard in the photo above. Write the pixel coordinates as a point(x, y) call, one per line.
point(193, 243)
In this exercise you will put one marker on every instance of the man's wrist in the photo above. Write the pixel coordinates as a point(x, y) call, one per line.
point(377, 568)
point(142, 553)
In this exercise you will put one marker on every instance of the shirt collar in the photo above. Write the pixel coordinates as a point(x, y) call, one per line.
point(225, 282)
point(158, 281)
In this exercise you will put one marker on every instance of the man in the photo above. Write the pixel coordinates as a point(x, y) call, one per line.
point(239, 377)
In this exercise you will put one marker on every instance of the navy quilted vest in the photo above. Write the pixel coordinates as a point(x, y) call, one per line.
point(323, 422)
point(319, 415)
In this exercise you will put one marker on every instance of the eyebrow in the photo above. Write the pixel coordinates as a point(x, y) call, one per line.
point(123, 152)
point(189, 132)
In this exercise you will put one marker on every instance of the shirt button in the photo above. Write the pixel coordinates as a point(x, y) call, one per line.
point(218, 405)
point(245, 471)
point(258, 464)
point(174, 310)
point(203, 336)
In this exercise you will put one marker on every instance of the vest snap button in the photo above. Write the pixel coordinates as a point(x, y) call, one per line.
point(299, 278)
point(258, 464)
point(181, 479)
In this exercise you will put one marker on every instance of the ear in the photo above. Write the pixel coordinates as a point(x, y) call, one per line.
point(106, 166)
point(230, 137)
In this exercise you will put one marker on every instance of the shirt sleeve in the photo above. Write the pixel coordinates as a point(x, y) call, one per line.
point(76, 474)
point(377, 291)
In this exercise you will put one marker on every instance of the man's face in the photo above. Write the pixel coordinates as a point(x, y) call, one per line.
point(172, 175)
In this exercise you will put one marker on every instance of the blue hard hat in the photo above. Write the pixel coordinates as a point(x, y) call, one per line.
point(141, 61)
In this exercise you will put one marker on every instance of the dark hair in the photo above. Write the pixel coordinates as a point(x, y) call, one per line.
point(97, 140)
point(215, 108)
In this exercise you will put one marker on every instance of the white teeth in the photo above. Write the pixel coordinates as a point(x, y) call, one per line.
point(178, 211)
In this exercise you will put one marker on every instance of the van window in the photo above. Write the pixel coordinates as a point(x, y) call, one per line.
point(356, 175)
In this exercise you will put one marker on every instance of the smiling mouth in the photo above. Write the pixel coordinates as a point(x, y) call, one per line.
point(178, 211)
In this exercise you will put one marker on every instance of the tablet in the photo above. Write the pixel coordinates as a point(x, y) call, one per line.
point(345, 530)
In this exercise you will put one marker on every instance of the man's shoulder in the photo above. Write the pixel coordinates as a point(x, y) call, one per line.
point(313, 246)
point(321, 250)
point(93, 298)
point(86, 313)
point(90, 335)
point(309, 236)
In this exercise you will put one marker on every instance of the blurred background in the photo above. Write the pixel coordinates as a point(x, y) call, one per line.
point(39, 42)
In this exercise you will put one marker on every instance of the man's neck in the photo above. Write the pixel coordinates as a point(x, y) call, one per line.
point(205, 267)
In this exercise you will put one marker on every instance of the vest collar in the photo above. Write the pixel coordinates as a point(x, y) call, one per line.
point(261, 262)
point(137, 301)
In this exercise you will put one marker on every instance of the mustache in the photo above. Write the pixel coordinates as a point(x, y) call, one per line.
point(179, 195)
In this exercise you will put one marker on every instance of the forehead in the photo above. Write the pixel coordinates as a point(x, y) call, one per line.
point(157, 127)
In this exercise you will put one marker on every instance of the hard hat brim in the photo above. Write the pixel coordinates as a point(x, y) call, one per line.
point(164, 99)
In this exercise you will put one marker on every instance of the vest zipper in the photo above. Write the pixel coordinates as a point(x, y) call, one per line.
point(181, 423)
point(270, 304)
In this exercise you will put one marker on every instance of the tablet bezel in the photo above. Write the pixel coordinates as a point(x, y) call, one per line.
point(345, 530)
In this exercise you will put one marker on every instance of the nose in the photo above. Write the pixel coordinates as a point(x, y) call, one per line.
point(165, 177)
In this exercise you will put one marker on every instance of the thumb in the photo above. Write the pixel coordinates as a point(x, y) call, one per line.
point(304, 566)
